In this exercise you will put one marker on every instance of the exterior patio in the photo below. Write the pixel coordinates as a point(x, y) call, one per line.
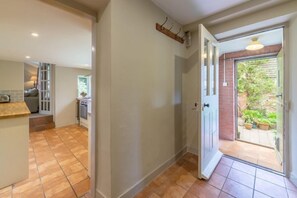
point(252, 153)
point(257, 136)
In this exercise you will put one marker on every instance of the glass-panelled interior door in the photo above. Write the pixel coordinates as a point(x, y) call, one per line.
point(208, 98)
point(45, 88)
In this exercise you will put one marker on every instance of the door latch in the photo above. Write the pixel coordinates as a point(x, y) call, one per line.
point(195, 106)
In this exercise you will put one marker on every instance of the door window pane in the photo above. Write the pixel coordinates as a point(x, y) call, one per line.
point(205, 67)
point(213, 68)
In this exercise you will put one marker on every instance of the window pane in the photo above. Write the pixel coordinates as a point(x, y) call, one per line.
point(205, 67)
point(213, 70)
point(83, 84)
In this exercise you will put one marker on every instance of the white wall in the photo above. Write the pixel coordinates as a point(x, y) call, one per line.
point(293, 98)
point(103, 70)
point(11, 75)
point(190, 84)
point(66, 94)
point(141, 93)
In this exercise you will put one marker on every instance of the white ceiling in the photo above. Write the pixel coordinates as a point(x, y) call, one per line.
point(97, 5)
point(64, 38)
point(272, 37)
point(185, 12)
point(255, 26)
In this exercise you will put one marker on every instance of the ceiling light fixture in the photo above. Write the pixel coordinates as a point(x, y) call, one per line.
point(34, 34)
point(27, 57)
point(254, 44)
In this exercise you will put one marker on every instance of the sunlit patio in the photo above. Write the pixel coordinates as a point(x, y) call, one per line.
point(256, 154)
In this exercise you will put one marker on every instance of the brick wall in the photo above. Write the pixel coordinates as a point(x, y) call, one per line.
point(227, 94)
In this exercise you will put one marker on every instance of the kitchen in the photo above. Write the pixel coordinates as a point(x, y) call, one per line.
point(43, 162)
point(14, 141)
point(84, 107)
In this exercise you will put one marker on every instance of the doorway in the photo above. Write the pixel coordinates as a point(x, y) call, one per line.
point(59, 149)
point(251, 100)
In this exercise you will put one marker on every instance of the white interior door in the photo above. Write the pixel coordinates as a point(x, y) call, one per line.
point(45, 88)
point(208, 128)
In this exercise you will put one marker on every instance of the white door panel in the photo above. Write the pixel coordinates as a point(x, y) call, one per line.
point(208, 134)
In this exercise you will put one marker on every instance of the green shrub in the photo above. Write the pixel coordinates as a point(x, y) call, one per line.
point(251, 116)
point(254, 81)
point(264, 121)
point(272, 118)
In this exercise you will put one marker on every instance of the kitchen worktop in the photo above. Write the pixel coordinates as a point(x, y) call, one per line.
point(14, 109)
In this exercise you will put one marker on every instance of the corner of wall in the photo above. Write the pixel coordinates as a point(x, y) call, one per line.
point(103, 84)
point(99, 194)
point(293, 178)
point(131, 192)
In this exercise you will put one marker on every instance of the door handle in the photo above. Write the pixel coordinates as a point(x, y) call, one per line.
point(205, 105)
point(279, 95)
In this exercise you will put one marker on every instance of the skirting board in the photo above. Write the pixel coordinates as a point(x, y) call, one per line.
point(192, 150)
point(131, 192)
point(293, 178)
point(99, 194)
point(59, 125)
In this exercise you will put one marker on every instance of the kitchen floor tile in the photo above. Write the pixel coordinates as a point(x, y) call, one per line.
point(82, 187)
point(49, 160)
point(78, 177)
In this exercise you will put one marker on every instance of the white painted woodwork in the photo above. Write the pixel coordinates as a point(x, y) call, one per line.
point(208, 105)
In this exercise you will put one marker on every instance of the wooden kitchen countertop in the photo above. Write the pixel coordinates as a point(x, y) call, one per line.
point(13, 109)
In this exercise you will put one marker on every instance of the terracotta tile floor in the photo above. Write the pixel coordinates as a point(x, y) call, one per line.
point(58, 164)
point(230, 179)
point(256, 154)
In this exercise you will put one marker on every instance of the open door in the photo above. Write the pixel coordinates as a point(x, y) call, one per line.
point(208, 98)
point(279, 147)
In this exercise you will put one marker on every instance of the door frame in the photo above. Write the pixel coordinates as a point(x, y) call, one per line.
point(286, 76)
point(93, 16)
point(236, 90)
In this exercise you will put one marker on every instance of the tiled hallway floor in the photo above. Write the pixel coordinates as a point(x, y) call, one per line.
point(58, 164)
point(255, 154)
point(230, 179)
